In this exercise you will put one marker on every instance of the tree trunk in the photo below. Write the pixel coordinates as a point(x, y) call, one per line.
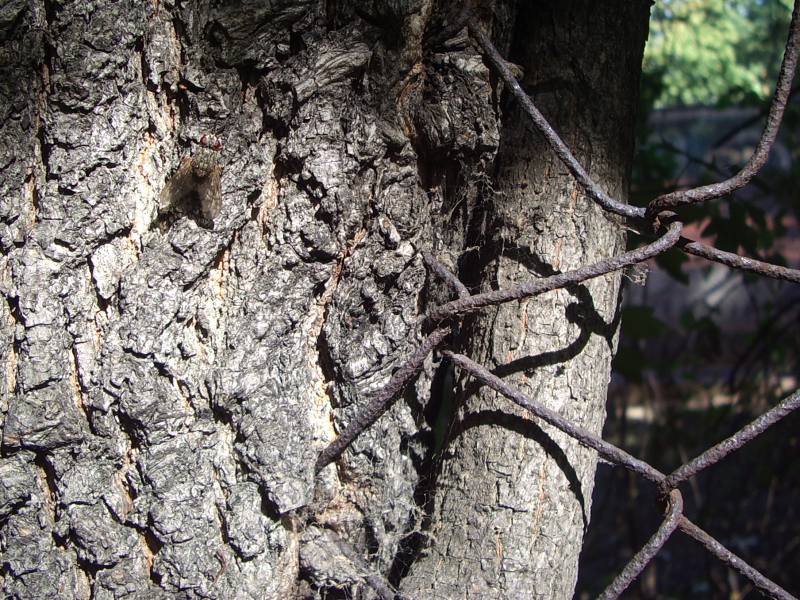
point(512, 497)
point(189, 323)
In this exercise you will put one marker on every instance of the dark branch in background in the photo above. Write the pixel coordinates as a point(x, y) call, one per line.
point(771, 329)
point(541, 124)
point(708, 165)
point(464, 306)
point(732, 133)
point(759, 157)
point(642, 558)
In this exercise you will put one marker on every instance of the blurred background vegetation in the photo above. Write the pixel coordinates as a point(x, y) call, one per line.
point(714, 52)
point(705, 349)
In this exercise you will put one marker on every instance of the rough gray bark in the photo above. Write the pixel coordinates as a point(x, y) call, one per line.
point(170, 374)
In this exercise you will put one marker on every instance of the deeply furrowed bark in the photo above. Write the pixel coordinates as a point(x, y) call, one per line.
point(168, 382)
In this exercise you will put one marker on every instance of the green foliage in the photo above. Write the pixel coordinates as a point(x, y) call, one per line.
point(716, 52)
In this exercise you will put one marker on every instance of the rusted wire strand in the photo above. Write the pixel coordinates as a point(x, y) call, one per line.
point(442, 271)
point(464, 306)
point(716, 453)
point(588, 439)
point(642, 558)
point(765, 585)
point(608, 451)
point(467, 303)
point(759, 158)
point(782, 92)
point(592, 189)
point(618, 456)
point(383, 400)
point(742, 263)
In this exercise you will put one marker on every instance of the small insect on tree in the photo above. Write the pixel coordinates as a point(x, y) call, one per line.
point(196, 184)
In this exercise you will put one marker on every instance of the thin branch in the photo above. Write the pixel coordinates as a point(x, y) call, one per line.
point(766, 586)
point(738, 262)
point(708, 165)
point(737, 440)
point(770, 330)
point(382, 401)
point(592, 189)
point(606, 450)
point(642, 558)
point(464, 306)
point(761, 153)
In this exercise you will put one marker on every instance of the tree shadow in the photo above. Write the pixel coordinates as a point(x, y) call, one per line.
point(532, 431)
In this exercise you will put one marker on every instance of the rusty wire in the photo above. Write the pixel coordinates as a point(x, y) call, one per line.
point(635, 215)
point(605, 449)
point(734, 442)
point(559, 147)
point(644, 219)
point(618, 456)
point(470, 304)
point(766, 585)
point(382, 400)
point(439, 269)
point(738, 262)
point(642, 558)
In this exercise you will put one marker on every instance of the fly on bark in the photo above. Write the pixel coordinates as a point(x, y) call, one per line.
point(195, 187)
